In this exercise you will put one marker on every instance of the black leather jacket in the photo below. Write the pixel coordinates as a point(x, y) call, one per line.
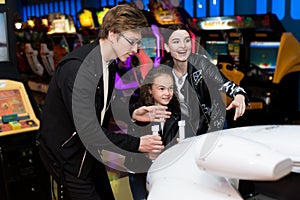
point(58, 137)
point(202, 91)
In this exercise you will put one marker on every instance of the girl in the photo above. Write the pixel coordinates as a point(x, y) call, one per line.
point(157, 89)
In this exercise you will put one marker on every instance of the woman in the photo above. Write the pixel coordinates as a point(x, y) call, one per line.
point(157, 89)
point(199, 83)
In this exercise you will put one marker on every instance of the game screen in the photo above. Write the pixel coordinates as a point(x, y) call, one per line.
point(264, 54)
point(11, 102)
point(215, 48)
point(234, 51)
point(4, 56)
point(149, 46)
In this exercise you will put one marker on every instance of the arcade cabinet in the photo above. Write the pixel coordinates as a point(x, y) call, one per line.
point(20, 166)
point(22, 174)
point(252, 41)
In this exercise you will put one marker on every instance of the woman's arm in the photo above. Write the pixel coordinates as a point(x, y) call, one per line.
point(215, 79)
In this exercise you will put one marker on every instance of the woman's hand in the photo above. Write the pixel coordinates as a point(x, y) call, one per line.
point(239, 104)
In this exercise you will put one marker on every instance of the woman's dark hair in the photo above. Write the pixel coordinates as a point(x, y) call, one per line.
point(170, 29)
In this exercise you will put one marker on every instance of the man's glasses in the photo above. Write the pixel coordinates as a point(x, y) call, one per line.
point(130, 41)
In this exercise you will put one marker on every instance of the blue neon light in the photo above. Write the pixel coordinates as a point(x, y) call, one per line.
point(37, 12)
point(103, 3)
point(214, 8)
point(42, 13)
point(261, 6)
point(146, 2)
point(278, 7)
point(201, 8)
point(67, 7)
point(32, 11)
point(25, 14)
point(78, 5)
point(228, 7)
point(56, 8)
point(51, 7)
point(46, 6)
point(189, 7)
point(111, 2)
point(61, 7)
point(295, 14)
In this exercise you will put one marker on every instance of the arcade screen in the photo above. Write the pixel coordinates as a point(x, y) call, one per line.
point(234, 51)
point(264, 54)
point(149, 46)
point(215, 48)
point(11, 102)
point(4, 56)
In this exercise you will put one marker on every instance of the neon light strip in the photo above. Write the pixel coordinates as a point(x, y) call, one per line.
point(158, 40)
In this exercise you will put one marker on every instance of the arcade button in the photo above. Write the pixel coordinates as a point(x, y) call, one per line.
point(30, 123)
point(15, 125)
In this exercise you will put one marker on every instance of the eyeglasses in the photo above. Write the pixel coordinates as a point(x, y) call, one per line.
point(130, 41)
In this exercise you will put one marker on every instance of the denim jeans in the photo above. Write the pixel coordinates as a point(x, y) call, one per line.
point(137, 184)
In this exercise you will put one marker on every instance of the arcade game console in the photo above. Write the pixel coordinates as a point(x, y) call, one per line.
point(210, 165)
point(17, 114)
point(20, 167)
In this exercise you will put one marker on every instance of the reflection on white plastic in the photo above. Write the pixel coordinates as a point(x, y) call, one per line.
point(252, 153)
point(181, 125)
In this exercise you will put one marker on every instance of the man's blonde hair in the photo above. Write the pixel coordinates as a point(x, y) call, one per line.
point(122, 18)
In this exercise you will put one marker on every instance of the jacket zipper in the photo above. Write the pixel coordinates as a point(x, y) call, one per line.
point(81, 164)
point(68, 140)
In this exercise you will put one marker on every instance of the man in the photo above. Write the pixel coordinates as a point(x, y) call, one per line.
point(74, 122)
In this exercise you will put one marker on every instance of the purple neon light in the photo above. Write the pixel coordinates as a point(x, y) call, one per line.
point(122, 86)
point(156, 33)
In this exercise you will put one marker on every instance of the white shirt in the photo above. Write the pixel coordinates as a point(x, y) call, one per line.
point(105, 87)
point(179, 83)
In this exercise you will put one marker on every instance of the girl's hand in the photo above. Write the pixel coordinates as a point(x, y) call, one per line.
point(151, 114)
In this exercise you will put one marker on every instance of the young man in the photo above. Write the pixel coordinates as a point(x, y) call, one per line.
point(74, 121)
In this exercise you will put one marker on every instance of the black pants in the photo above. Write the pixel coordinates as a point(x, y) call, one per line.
point(137, 184)
point(95, 187)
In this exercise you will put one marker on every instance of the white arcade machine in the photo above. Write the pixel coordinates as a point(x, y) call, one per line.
point(209, 166)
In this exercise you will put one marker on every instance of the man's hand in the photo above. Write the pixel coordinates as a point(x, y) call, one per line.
point(151, 114)
point(151, 144)
point(239, 104)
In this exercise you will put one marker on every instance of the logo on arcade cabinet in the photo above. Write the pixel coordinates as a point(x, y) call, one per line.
point(229, 23)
